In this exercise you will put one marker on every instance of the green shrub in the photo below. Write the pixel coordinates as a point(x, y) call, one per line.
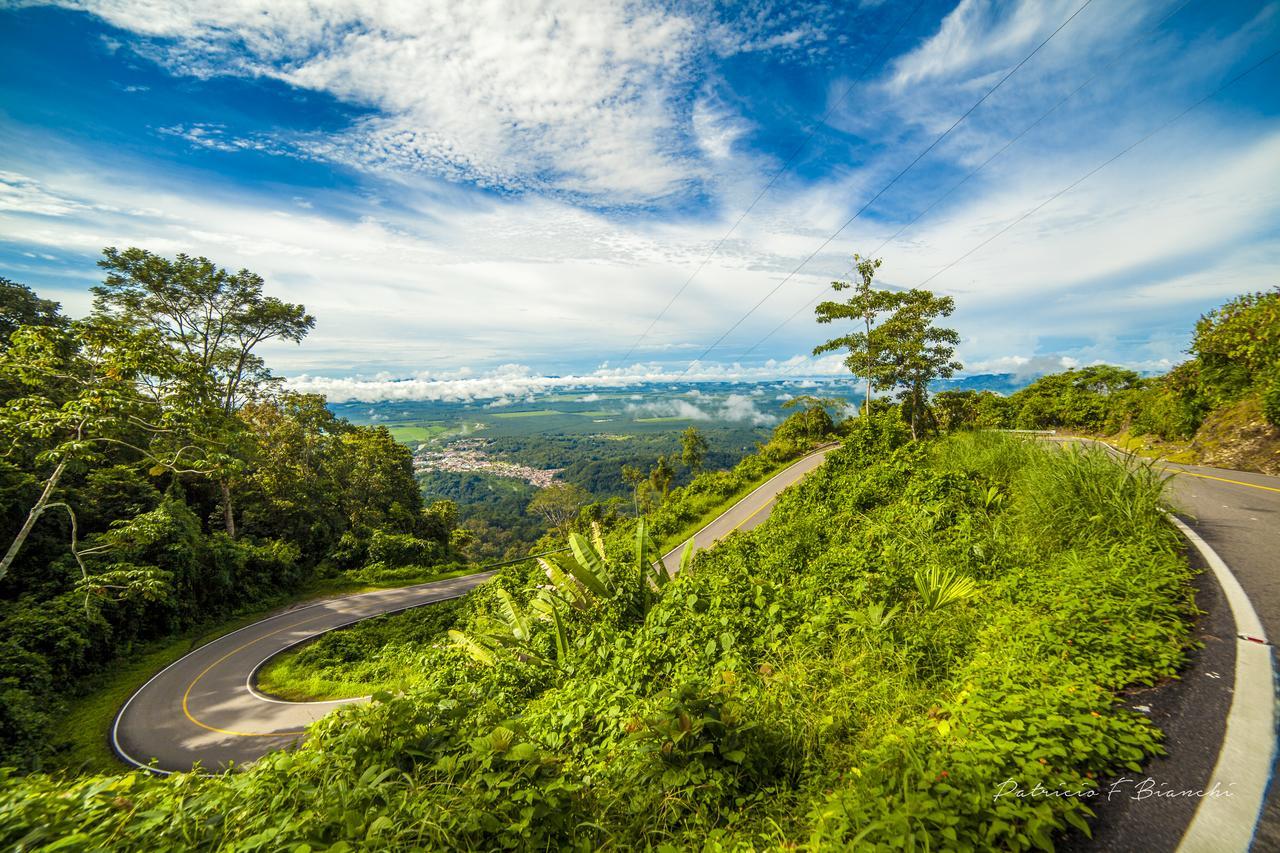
point(1271, 399)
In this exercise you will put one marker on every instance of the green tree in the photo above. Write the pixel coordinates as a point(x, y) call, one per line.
point(868, 356)
point(898, 345)
point(81, 395)
point(213, 321)
point(19, 306)
point(559, 505)
point(918, 351)
point(379, 491)
point(955, 410)
point(812, 422)
point(693, 449)
point(294, 487)
point(662, 475)
point(1237, 344)
point(635, 477)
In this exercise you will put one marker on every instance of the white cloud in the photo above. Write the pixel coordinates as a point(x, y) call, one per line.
point(734, 408)
point(23, 194)
point(509, 383)
point(976, 34)
point(557, 95)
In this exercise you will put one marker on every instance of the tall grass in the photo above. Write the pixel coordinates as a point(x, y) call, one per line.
point(1069, 494)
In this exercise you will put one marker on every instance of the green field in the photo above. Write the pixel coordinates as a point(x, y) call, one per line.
point(418, 432)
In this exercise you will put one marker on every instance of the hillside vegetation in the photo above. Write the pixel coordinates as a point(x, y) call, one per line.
point(1221, 407)
point(154, 477)
point(915, 624)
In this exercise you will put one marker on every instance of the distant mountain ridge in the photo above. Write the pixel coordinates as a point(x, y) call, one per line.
point(1001, 383)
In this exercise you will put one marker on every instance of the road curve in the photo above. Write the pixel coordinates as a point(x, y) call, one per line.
point(202, 709)
point(1237, 513)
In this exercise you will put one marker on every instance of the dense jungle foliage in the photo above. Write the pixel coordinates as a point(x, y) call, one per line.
point(154, 476)
point(1235, 354)
point(916, 624)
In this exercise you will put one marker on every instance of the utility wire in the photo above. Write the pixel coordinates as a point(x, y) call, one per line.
point(876, 251)
point(1105, 164)
point(779, 173)
point(1167, 123)
point(887, 186)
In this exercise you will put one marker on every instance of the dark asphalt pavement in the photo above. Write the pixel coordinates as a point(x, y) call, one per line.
point(1238, 514)
point(752, 510)
point(202, 708)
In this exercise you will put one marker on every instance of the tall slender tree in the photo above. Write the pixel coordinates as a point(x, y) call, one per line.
point(868, 356)
point(693, 449)
point(920, 351)
point(898, 346)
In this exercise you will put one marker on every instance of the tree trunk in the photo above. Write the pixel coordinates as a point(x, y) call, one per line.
point(228, 512)
point(32, 517)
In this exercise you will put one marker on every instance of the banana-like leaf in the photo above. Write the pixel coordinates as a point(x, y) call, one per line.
point(562, 637)
point(597, 539)
point(686, 556)
point(471, 647)
point(587, 567)
point(568, 588)
point(517, 620)
point(939, 588)
point(586, 557)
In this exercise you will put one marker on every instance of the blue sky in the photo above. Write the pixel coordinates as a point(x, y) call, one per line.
point(479, 191)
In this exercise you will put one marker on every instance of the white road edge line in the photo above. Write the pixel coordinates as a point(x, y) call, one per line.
point(674, 553)
point(115, 724)
point(1243, 770)
point(262, 697)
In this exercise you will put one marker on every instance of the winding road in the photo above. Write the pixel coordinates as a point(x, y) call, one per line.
point(202, 710)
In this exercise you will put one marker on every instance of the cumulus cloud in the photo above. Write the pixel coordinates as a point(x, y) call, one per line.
point(734, 408)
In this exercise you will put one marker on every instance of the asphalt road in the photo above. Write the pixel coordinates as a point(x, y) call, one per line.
point(203, 709)
point(1238, 514)
point(752, 510)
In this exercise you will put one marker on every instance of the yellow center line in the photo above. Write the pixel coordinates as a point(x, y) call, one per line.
point(1169, 466)
point(761, 509)
point(187, 695)
point(1222, 479)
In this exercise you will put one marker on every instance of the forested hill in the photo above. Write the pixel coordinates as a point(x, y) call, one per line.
point(154, 476)
point(1219, 407)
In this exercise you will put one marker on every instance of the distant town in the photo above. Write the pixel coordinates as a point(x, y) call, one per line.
point(470, 455)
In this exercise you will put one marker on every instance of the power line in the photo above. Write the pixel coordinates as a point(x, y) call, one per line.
point(785, 166)
point(874, 252)
point(1102, 166)
point(1078, 181)
point(887, 186)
